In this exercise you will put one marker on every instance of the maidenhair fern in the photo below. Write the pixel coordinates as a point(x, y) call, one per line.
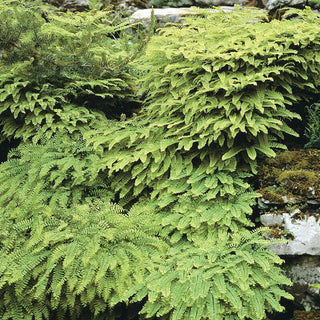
point(58, 260)
point(61, 71)
point(229, 280)
point(218, 93)
point(213, 106)
point(59, 170)
point(230, 88)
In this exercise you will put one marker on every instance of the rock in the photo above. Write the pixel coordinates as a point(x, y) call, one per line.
point(270, 219)
point(313, 202)
point(128, 7)
point(291, 175)
point(289, 200)
point(275, 4)
point(294, 213)
point(162, 16)
point(263, 203)
point(215, 3)
point(304, 271)
point(70, 4)
point(305, 234)
point(75, 4)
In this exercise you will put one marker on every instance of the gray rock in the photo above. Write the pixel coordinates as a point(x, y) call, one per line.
point(306, 237)
point(211, 3)
point(70, 4)
point(166, 15)
point(270, 219)
point(263, 203)
point(313, 202)
point(287, 200)
point(274, 4)
point(76, 3)
point(162, 16)
point(304, 271)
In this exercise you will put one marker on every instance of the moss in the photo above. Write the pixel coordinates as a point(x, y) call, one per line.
point(296, 159)
point(271, 195)
point(301, 182)
point(296, 172)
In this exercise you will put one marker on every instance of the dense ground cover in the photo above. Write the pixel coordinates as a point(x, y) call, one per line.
point(128, 193)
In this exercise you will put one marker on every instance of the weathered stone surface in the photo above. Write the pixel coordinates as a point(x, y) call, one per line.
point(211, 3)
point(167, 15)
point(70, 4)
point(304, 271)
point(290, 188)
point(269, 220)
point(274, 4)
point(304, 233)
point(291, 174)
point(162, 16)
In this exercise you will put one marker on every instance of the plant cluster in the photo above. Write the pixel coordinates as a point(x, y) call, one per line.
point(58, 259)
point(151, 208)
point(60, 72)
point(313, 126)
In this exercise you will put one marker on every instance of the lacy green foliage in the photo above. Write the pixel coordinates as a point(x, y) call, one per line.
point(230, 280)
point(200, 221)
point(59, 170)
point(217, 95)
point(212, 105)
point(195, 227)
point(64, 259)
point(65, 171)
point(313, 126)
point(229, 87)
point(147, 158)
point(61, 71)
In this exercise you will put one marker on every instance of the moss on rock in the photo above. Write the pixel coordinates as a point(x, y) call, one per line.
point(291, 173)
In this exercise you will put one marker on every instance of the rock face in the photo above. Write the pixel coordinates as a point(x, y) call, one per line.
point(216, 3)
point(70, 4)
point(132, 6)
point(162, 16)
point(274, 4)
point(290, 189)
point(303, 234)
point(301, 253)
point(304, 271)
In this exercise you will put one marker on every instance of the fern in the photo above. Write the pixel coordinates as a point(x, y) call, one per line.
point(66, 258)
point(59, 171)
point(215, 282)
point(61, 71)
point(213, 106)
point(312, 131)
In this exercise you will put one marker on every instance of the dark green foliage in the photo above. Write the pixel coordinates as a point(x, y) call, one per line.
point(312, 132)
point(61, 71)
